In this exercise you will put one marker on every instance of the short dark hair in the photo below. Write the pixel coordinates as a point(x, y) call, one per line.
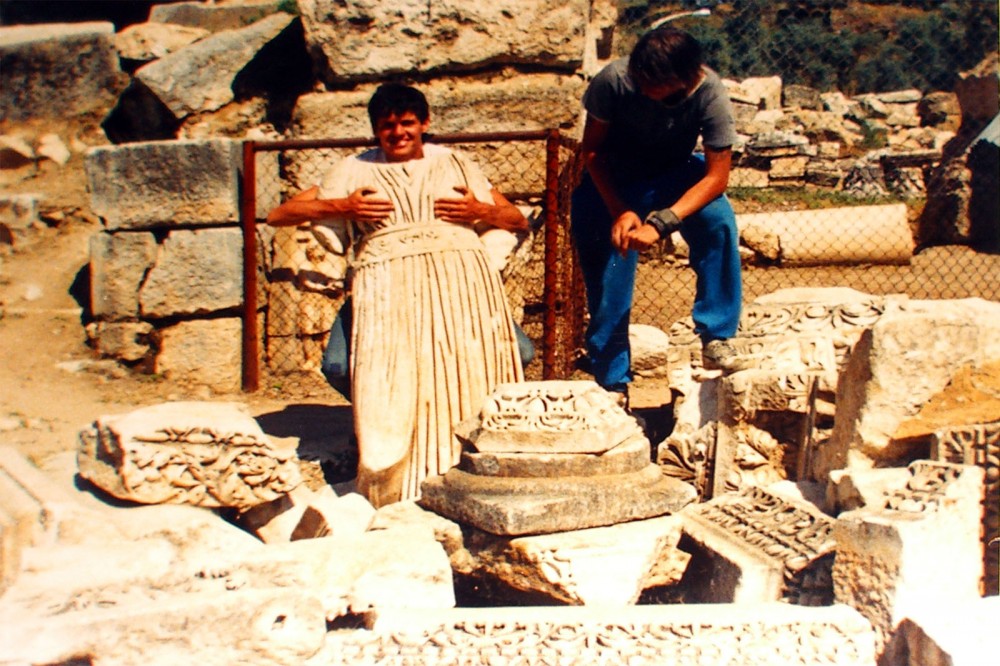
point(397, 98)
point(664, 55)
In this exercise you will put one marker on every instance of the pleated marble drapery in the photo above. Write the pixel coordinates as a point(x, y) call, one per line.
point(432, 332)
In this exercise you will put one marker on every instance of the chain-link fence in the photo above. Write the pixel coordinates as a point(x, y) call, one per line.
point(855, 167)
point(296, 282)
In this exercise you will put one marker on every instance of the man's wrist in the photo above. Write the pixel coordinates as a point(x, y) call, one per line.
point(665, 222)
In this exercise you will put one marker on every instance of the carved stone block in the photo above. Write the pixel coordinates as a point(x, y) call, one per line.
point(206, 454)
point(978, 445)
point(680, 635)
point(920, 546)
point(760, 547)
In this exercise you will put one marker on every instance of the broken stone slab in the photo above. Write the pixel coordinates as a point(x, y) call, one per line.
point(200, 78)
point(119, 263)
point(650, 348)
point(122, 340)
point(195, 272)
point(202, 352)
point(688, 635)
point(19, 212)
point(200, 453)
point(602, 565)
point(275, 521)
point(273, 627)
point(330, 515)
point(632, 455)
point(521, 505)
point(353, 43)
point(144, 42)
point(58, 70)
point(758, 546)
point(549, 417)
point(918, 548)
point(850, 489)
point(157, 184)
point(855, 235)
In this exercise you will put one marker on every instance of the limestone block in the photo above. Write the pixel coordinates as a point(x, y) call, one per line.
point(331, 515)
point(204, 352)
point(57, 70)
point(945, 634)
point(900, 363)
point(629, 456)
point(274, 627)
point(602, 565)
point(756, 546)
point(165, 183)
point(125, 340)
point(747, 177)
point(860, 234)
point(776, 144)
point(516, 506)
point(788, 167)
point(686, 635)
point(196, 272)
point(409, 515)
point(213, 17)
point(650, 350)
point(919, 548)
point(143, 42)
point(766, 89)
point(356, 42)
point(118, 265)
point(206, 454)
point(200, 77)
point(275, 521)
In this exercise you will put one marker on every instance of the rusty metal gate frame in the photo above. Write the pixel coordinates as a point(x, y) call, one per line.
point(562, 298)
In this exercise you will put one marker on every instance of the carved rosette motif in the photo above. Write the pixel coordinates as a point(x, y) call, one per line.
point(924, 492)
point(561, 407)
point(688, 457)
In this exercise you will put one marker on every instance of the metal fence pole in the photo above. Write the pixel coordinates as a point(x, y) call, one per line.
point(248, 221)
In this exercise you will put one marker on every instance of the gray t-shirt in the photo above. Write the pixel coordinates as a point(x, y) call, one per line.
point(647, 137)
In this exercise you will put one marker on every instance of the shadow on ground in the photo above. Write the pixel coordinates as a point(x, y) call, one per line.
point(324, 434)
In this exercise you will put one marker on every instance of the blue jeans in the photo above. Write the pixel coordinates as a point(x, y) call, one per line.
point(336, 364)
point(609, 277)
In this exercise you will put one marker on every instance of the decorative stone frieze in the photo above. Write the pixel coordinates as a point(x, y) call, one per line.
point(682, 635)
point(205, 454)
point(758, 546)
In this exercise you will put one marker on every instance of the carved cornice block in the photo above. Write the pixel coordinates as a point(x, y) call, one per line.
point(205, 454)
point(761, 547)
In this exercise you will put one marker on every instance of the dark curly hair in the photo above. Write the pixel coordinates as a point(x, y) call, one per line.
point(663, 56)
point(397, 99)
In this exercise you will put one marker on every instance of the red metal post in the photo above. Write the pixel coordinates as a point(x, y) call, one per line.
point(248, 220)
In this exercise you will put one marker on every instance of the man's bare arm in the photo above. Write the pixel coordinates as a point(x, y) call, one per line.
point(469, 210)
point(306, 206)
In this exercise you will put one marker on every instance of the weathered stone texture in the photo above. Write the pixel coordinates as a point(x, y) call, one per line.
point(162, 184)
point(205, 352)
point(197, 272)
point(57, 70)
point(366, 41)
point(118, 266)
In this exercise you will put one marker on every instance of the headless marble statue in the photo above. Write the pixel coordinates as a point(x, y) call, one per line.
point(432, 333)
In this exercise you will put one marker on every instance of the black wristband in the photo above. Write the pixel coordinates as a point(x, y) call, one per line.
point(665, 221)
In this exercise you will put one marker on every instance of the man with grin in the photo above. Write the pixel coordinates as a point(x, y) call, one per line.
point(431, 335)
point(645, 180)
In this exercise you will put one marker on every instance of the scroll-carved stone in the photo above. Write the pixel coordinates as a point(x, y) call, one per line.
point(205, 454)
point(551, 417)
point(682, 635)
point(762, 547)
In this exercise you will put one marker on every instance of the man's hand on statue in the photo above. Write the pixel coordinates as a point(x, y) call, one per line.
point(364, 207)
point(465, 210)
point(624, 225)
